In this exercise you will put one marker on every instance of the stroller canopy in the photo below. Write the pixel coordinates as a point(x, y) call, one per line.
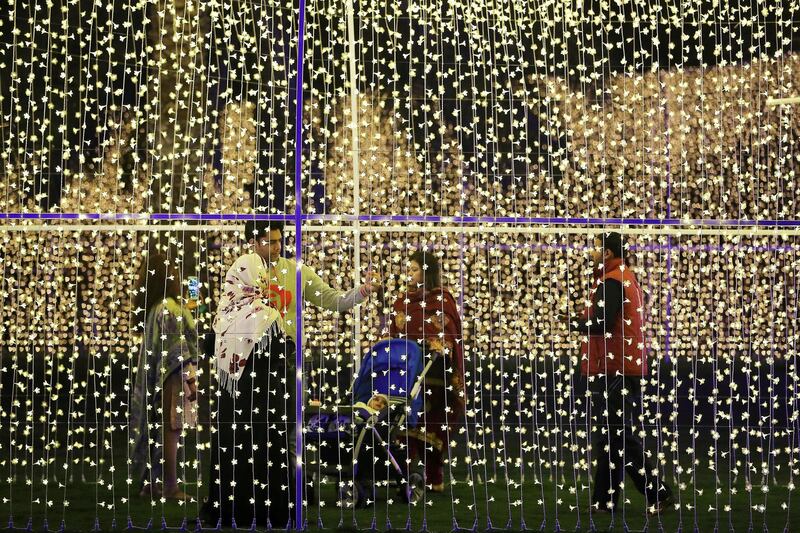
point(391, 367)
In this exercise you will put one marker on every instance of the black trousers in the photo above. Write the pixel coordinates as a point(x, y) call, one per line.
point(251, 470)
point(616, 446)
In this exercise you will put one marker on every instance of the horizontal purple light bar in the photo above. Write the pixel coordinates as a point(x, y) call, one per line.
point(141, 216)
point(714, 248)
point(560, 220)
point(582, 247)
point(632, 248)
point(406, 219)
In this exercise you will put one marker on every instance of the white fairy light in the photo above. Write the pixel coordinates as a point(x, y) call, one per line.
point(464, 109)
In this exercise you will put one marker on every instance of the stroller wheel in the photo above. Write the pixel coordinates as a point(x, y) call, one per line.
point(352, 497)
point(414, 490)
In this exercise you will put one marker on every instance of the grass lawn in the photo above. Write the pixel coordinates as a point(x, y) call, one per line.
point(548, 505)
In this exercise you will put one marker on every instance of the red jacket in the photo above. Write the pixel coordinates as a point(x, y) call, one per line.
point(621, 349)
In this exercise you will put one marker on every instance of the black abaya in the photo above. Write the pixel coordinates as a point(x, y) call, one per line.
point(251, 471)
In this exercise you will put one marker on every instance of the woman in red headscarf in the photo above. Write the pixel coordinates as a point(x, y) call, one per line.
point(427, 311)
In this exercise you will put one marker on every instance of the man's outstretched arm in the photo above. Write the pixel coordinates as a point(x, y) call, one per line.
point(319, 293)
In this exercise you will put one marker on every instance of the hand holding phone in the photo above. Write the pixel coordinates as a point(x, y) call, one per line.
point(194, 288)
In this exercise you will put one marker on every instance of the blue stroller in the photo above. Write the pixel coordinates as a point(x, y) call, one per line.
point(365, 448)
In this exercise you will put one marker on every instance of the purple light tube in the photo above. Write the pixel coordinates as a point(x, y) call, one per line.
point(298, 245)
point(715, 248)
point(576, 221)
point(561, 221)
point(582, 247)
point(145, 216)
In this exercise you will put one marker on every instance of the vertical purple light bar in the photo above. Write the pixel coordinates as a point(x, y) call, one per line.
point(298, 249)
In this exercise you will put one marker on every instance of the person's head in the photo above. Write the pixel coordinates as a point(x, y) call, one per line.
point(265, 238)
point(378, 402)
point(606, 247)
point(157, 280)
point(423, 271)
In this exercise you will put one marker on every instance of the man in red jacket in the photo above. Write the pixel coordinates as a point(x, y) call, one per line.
point(614, 359)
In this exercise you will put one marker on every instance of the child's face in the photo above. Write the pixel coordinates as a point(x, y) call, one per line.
point(377, 402)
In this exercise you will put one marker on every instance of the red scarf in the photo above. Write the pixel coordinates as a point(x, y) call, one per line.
point(425, 322)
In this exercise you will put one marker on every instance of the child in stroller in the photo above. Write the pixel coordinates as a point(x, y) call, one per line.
point(364, 443)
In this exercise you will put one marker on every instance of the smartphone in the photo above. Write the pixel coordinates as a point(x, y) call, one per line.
point(194, 288)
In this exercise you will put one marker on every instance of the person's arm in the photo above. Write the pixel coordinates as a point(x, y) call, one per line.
point(190, 374)
point(176, 340)
point(319, 293)
point(606, 309)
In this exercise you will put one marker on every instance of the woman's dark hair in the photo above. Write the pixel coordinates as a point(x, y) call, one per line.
point(431, 275)
point(154, 277)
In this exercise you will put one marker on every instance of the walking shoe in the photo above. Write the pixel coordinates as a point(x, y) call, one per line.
point(601, 508)
point(661, 505)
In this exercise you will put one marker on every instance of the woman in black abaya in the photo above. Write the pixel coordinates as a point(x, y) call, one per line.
point(252, 421)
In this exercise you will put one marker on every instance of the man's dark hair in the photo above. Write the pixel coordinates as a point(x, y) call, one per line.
point(613, 241)
point(261, 228)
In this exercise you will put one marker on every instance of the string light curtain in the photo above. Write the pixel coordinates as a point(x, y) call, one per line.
point(501, 137)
